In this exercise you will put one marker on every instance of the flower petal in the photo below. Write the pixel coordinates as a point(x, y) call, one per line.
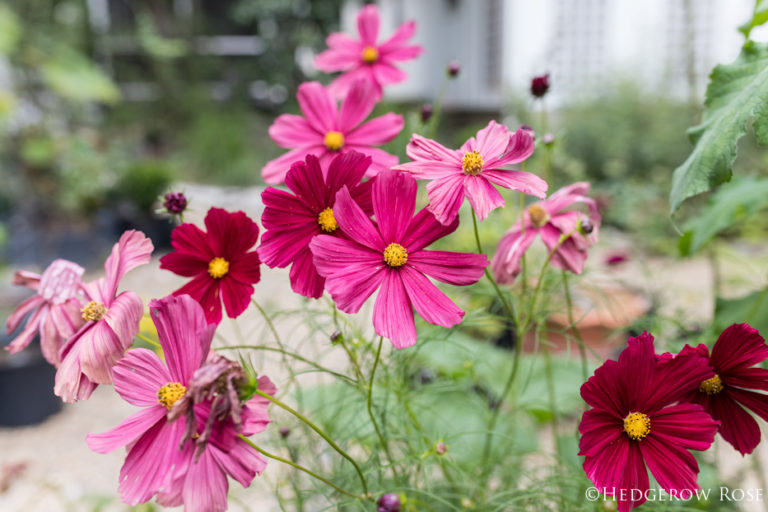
point(482, 196)
point(236, 296)
point(318, 107)
point(139, 375)
point(393, 312)
point(292, 131)
point(394, 202)
point(356, 106)
point(739, 346)
point(205, 290)
point(304, 277)
point(355, 223)
point(457, 268)
point(183, 333)
point(506, 262)
point(424, 230)
point(525, 182)
point(492, 140)
point(133, 249)
point(230, 233)
point(206, 486)
point(377, 131)
point(128, 431)
point(275, 170)
point(445, 197)
point(368, 24)
point(432, 304)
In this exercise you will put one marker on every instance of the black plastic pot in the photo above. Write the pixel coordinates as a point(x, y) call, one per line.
point(26, 388)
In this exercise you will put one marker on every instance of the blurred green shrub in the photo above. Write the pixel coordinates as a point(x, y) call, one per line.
point(142, 182)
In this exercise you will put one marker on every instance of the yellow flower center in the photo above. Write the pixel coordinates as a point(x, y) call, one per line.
point(370, 54)
point(334, 140)
point(539, 215)
point(395, 255)
point(327, 221)
point(711, 386)
point(93, 311)
point(472, 163)
point(170, 394)
point(637, 425)
point(218, 268)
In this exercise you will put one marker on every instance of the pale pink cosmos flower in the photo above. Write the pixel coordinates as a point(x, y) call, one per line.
point(365, 58)
point(473, 170)
point(326, 130)
point(55, 308)
point(157, 463)
point(551, 219)
point(111, 322)
point(390, 256)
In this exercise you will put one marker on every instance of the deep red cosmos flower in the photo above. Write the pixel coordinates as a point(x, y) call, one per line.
point(635, 421)
point(291, 221)
point(726, 395)
point(219, 260)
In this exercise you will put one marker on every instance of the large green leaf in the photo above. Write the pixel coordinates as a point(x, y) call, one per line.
point(752, 309)
point(731, 203)
point(759, 17)
point(737, 92)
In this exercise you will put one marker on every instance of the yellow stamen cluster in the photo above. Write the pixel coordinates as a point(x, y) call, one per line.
point(370, 54)
point(327, 221)
point(334, 140)
point(711, 386)
point(472, 163)
point(93, 311)
point(395, 255)
point(637, 425)
point(538, 215)
point(170, 394)
point(218, 268)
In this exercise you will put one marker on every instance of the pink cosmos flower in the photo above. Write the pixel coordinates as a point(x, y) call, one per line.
point(727, 396)
point(156, 463)
point(635, 421)
point(111, 322)
point(472, 170)
point(390, 256)
point(293, 220)
point(326, 130)
point(365, 59)
point(55, 306)
point(220, 261)
point(550, 219)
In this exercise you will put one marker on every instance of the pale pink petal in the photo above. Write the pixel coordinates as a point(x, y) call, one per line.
point(512, 246)
point(394, 201)
point(368, 25)
point(206, 486)
point(482, 196)
point(124, 316)
point(492, 140)
point(422, 148)
point(275, 170)
point(71, 384)
point(380, 159)
point(21, 311)
point(100, 349)
point(393, 313)
point(139, 375)
point(445, 197)
point(26, 278)
point(291, 131)
point(521, 146)
point(400, 53)
point(241, 463)
point(127, 432)
point(399, 41)
point(341, 85)
point(430, 169)
point(60, 281)
point(356, 106)
point(133, 249)
point(355, 223)
point(456, 268)
point(525, 182)
point(388, 74)
point(567, 256)
point(377, 131)
point(29, 332)
point(432, 304)
point(183, 333)
point(339, 57)
point(50, 339)
point(318, 106)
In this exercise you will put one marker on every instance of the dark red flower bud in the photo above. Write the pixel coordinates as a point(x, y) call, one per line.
point(389, 503)
point(528, 129)
point(285, 432)
point(426, 112)
point(175, 203)
point(586, 226)
point(540, 85)
point(453, 69)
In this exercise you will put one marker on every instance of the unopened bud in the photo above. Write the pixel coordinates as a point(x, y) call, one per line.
point(426, 112)
point(285, 432)
point(540, 85)
point(337, 337)
point(390, 502)
point(453, 69)
point(586, 226)
point(440, 448)
point(548, 139)
point(175, 203)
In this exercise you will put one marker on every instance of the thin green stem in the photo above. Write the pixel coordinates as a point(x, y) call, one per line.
point(149, 340)
point(574, 327)
point(502, 298)
point(269, 322)
point(353, 360)
point(320, 432)
point(369, 404)
point(536, 291)
point(302, 468)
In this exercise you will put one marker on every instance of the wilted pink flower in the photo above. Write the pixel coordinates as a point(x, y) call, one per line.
point(551, 220)
point(390, 256)
point(325, 130)
point(55, 308)
point(111, 322)
point(293, 220)
point(365, 59)
point(156, 463)
point(472, 170)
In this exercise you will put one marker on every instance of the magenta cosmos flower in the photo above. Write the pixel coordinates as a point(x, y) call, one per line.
point(293, 220)
point(473, 170)
point(55, 308)
point(390, 256)
point(156, 463)
point(551, 219)
point(219, 260)
point(365, 59)
point(326, 130)
point(111, 322)
point(635, 421)
point(727, 396)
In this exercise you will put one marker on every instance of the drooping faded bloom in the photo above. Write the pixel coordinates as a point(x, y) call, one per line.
point(729, 395)
point(473, 170)
point(156, 462)
point(365, 59)
point(636, 421)
point(293, 220)
point(551, 219)
point(111, 322)
point(55, 308)
point(389, 256)
point(219, 260)
point(326, 130)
